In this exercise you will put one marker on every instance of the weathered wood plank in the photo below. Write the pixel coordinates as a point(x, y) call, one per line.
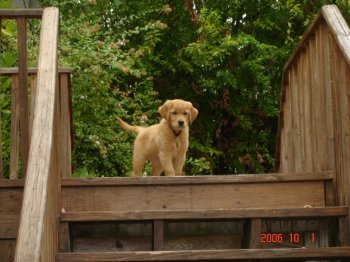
point(8, 71)
point(38, 230)
point(14, 13)
point(296, 119)
point(23, 91)
point(65, 126)
point(307, 112)
point(14, 143)
point(158, 235)
point(197, 180)
point(206, 214)
point(9, 222)
point(301, 90)
point(33, 88)
point(254, 233)
point(107, 198)
point(14, 183)
point(11, 200)
point(335, 20)
point(213, 255)
point(64, 238)
point(7, 250)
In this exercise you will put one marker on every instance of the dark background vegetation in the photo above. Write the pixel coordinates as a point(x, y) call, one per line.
point(128, 57)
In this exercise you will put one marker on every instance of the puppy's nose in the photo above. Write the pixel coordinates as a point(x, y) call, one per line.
point(181, 122)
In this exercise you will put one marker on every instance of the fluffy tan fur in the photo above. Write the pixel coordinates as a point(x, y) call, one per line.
point(164, 144)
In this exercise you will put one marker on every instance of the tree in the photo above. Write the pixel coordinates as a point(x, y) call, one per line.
point(224, 56)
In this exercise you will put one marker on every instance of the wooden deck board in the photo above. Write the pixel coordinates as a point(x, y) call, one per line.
point(207, 214)
point(212, 255)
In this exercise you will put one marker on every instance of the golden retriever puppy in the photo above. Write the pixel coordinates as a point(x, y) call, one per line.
point(164, 144)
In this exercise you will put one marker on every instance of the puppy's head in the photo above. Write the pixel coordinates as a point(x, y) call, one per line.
point(178, 113)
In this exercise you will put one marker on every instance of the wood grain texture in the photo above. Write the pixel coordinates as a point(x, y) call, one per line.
point(131, 198)
point(212, 255)
point(206, 214)
point(7, 250)
point(9, 71)
point(23, 91)
point(64, 238)
point(198, 180)
point(65, 126)
point(254, 233)
point(33, 88)
point(14, 143)
point(14, 13)
point(315, 103)
point(9, 225)
point(158, 235)
point(37, 237)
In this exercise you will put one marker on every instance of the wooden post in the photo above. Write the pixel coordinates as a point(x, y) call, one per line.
point(255, 233)
point(64, 238)
point(65, 126)
point(158, 235)
point(38, 230)
point(252, 234)
point(15, 112)
point(33, 87)
point(23, 90)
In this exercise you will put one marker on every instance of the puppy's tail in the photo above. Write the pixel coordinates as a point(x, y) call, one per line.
point(128, 127)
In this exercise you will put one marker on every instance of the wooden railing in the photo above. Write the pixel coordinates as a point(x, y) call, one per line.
point(65, 107)
point(38, 230)
point(21, 17)
point(41, 125)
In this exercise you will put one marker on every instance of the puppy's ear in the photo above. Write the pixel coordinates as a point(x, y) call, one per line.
point(193, 114)
point(164, 110)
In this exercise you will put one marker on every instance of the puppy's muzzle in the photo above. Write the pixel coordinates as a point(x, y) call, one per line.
point(181, 123)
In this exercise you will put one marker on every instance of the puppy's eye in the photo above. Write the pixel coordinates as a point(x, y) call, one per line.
point(185, 113)
point(174, 112)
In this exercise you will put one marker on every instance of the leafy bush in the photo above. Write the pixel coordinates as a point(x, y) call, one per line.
point(224, 56)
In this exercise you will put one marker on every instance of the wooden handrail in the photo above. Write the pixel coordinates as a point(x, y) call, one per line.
point(15, 13)
point(9, 71)
point(38, 230)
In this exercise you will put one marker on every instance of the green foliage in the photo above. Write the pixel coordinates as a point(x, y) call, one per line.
point(8, 58)
point(224, 56)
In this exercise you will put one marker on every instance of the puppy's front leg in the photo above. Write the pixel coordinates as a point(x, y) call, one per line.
point(179, 163)
point(167, 163)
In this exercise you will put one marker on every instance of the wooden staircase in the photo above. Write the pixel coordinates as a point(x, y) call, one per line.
point(167, 207)
point(301, 213)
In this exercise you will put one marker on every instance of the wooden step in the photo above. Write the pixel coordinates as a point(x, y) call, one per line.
point(211, 255)
point(312, 212)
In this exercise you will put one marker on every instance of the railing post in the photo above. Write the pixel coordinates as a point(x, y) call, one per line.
point(65, 125)
point(38, 230)
point(15, 121)
point(23, 90)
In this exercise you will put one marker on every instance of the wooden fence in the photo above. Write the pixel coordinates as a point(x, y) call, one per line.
point(314, 120)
